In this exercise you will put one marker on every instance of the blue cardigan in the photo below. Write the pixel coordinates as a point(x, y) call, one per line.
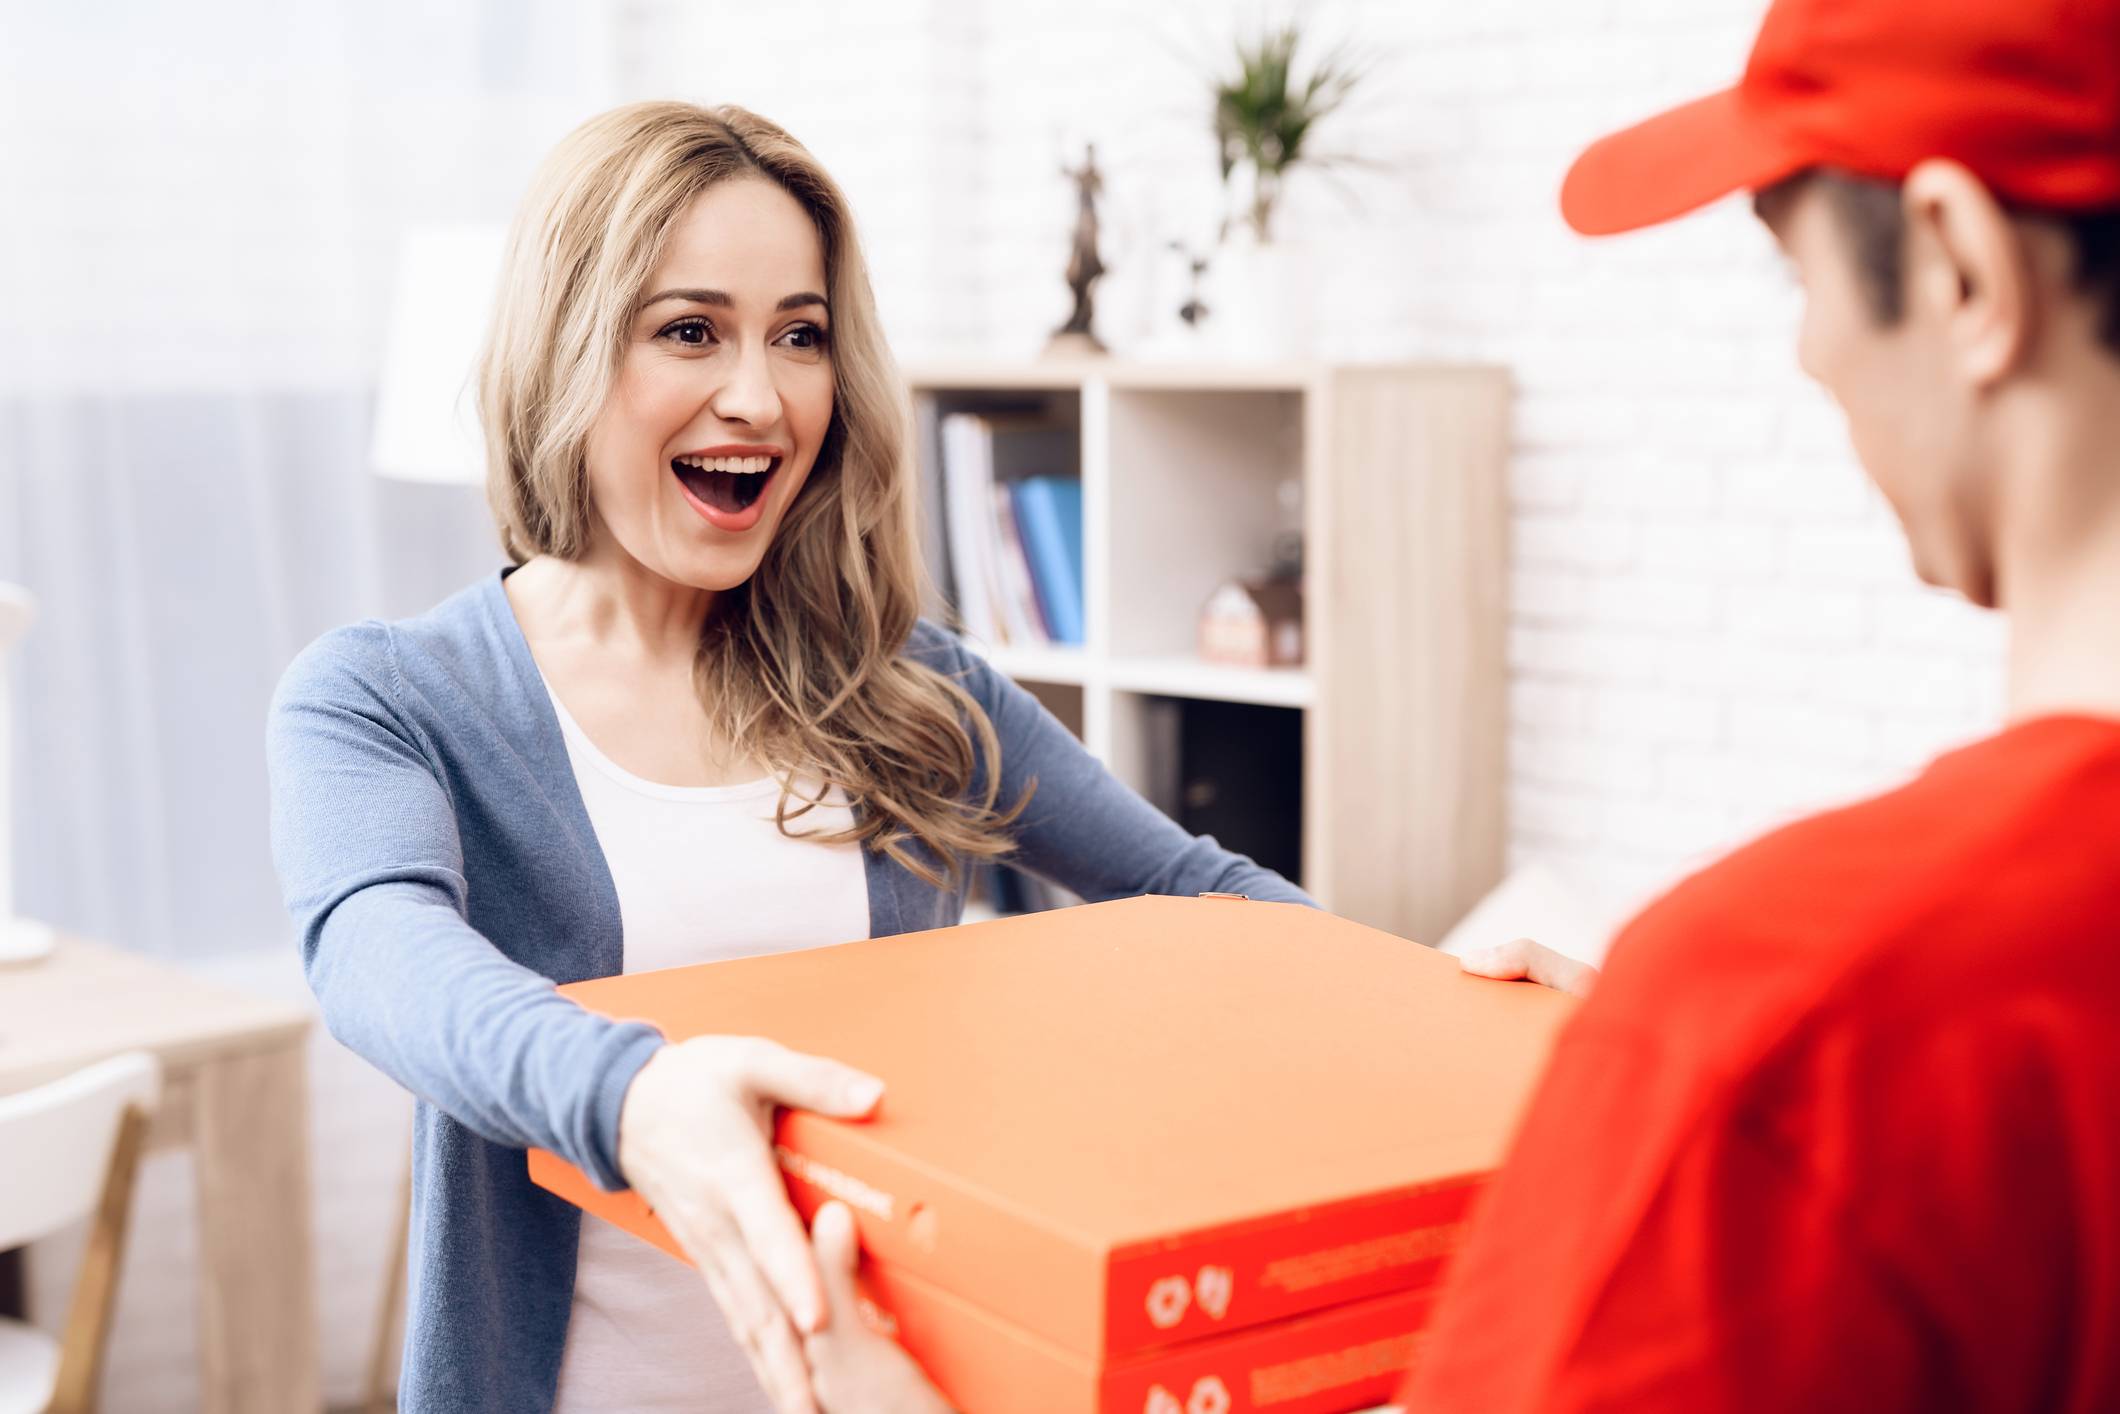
point(441, 867)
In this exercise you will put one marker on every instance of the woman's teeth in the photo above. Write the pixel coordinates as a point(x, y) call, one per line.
point(739, 466)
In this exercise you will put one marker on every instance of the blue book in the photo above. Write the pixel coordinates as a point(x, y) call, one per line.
point(1049, 515)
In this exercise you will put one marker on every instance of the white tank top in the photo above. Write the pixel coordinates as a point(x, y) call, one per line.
point(702, 874)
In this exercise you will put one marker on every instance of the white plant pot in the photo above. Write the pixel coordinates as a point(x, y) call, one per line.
point(1259, 301)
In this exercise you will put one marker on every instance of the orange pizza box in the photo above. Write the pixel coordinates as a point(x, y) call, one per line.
point(1351, 1356)
point(1126, 1125)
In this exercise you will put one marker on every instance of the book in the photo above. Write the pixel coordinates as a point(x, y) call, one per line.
point(968, 515)
point(1350, 1356)
point(1127, 1125)
point(1021, 616)
point(981, 455)
point(1049, 513)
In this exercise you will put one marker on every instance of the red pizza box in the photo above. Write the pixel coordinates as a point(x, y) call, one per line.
point(1345, 1357)
point(1128, 1125)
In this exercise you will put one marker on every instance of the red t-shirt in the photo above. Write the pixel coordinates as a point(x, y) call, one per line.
point(1839, 1128)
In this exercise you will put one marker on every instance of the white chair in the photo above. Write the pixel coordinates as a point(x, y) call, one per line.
point(69, 1149)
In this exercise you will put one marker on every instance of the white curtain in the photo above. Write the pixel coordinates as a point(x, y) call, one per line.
point(199, 206)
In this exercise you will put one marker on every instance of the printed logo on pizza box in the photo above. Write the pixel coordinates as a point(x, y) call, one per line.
point(1167, 1300)
point(862, 1197)
point(1209, 1396)
point(1171, 1297)
point(1212, 1289)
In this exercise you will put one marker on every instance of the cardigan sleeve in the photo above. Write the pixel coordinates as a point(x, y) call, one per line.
point(1085, 829)
point(365, 840)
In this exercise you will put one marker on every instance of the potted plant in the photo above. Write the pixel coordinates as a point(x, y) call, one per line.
point(1266, 120)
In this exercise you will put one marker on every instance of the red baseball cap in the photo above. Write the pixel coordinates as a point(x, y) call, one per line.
point(2025, 93)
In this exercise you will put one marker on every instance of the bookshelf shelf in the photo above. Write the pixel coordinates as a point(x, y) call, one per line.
point(1391, 479)
point(1170, 676)
point(1068, 666)
point(1213, 682)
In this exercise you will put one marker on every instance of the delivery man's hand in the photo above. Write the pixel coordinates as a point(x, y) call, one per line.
point(853, 1369)
point(1529, 961)
point(695, 1141)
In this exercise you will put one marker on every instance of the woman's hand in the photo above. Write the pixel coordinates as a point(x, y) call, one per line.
point(855, 1370)
point(1524, 959)
point(695, 1141)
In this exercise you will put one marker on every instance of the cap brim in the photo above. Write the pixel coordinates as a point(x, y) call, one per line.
point(1674, 163)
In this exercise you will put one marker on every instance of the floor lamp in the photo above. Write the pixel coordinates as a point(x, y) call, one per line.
point(426, 426)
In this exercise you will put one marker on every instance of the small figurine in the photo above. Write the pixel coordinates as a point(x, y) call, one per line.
point(1084, 265)
point(1194, 309)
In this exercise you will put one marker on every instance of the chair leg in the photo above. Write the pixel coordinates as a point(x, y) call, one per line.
point(389, 1342)
point(95, 1291)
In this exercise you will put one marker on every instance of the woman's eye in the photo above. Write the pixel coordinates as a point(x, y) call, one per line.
point(693, 332)
point(804, 336)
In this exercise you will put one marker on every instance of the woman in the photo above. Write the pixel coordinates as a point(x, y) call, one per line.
point(697, 719)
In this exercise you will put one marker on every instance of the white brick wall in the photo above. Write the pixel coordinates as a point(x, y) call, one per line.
point(1714, 625)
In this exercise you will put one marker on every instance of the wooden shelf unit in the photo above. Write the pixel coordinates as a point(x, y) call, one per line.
point(1405, 531)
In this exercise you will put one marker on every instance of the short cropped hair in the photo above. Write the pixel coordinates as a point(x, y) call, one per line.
point(1873, 221)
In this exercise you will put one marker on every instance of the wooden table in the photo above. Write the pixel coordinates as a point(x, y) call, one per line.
point(233, 1090)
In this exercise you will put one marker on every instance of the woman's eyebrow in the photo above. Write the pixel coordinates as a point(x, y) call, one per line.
point(720, 299)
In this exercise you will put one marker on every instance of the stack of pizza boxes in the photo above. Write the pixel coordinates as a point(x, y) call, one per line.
point(1156, 1156)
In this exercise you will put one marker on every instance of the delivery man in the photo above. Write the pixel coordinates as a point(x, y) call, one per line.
point(1839, 1127)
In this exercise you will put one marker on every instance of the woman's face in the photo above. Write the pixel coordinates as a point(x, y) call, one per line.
point(723, 393)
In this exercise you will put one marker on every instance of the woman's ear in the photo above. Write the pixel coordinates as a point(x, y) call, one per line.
point(1967, 271)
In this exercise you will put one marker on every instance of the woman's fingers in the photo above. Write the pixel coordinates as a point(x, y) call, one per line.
point(808, 1082)
point(754, 1194)
point(775, 1241)
point(762, 1327)
point(1522, 958)
point(748, 1306)
point(695, 1140)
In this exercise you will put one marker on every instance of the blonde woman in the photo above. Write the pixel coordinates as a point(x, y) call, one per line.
point(696, 718)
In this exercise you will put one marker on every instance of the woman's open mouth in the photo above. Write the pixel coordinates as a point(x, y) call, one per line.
point(726, 488)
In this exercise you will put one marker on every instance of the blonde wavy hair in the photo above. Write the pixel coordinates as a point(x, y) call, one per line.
point(803, 665)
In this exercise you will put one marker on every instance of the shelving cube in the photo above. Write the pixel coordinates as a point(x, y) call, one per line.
point(1405, 546)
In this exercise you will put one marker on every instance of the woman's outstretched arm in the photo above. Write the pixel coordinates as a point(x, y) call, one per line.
point(372, 868)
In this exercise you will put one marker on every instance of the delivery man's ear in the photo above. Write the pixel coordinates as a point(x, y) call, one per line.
point(1968, 271)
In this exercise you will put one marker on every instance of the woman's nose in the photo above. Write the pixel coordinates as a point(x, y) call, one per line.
point(748, 395)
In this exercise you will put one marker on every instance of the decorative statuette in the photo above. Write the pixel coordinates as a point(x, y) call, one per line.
point(1084, 266)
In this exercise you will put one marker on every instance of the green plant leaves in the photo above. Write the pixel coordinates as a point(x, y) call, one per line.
point(1264, 116)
